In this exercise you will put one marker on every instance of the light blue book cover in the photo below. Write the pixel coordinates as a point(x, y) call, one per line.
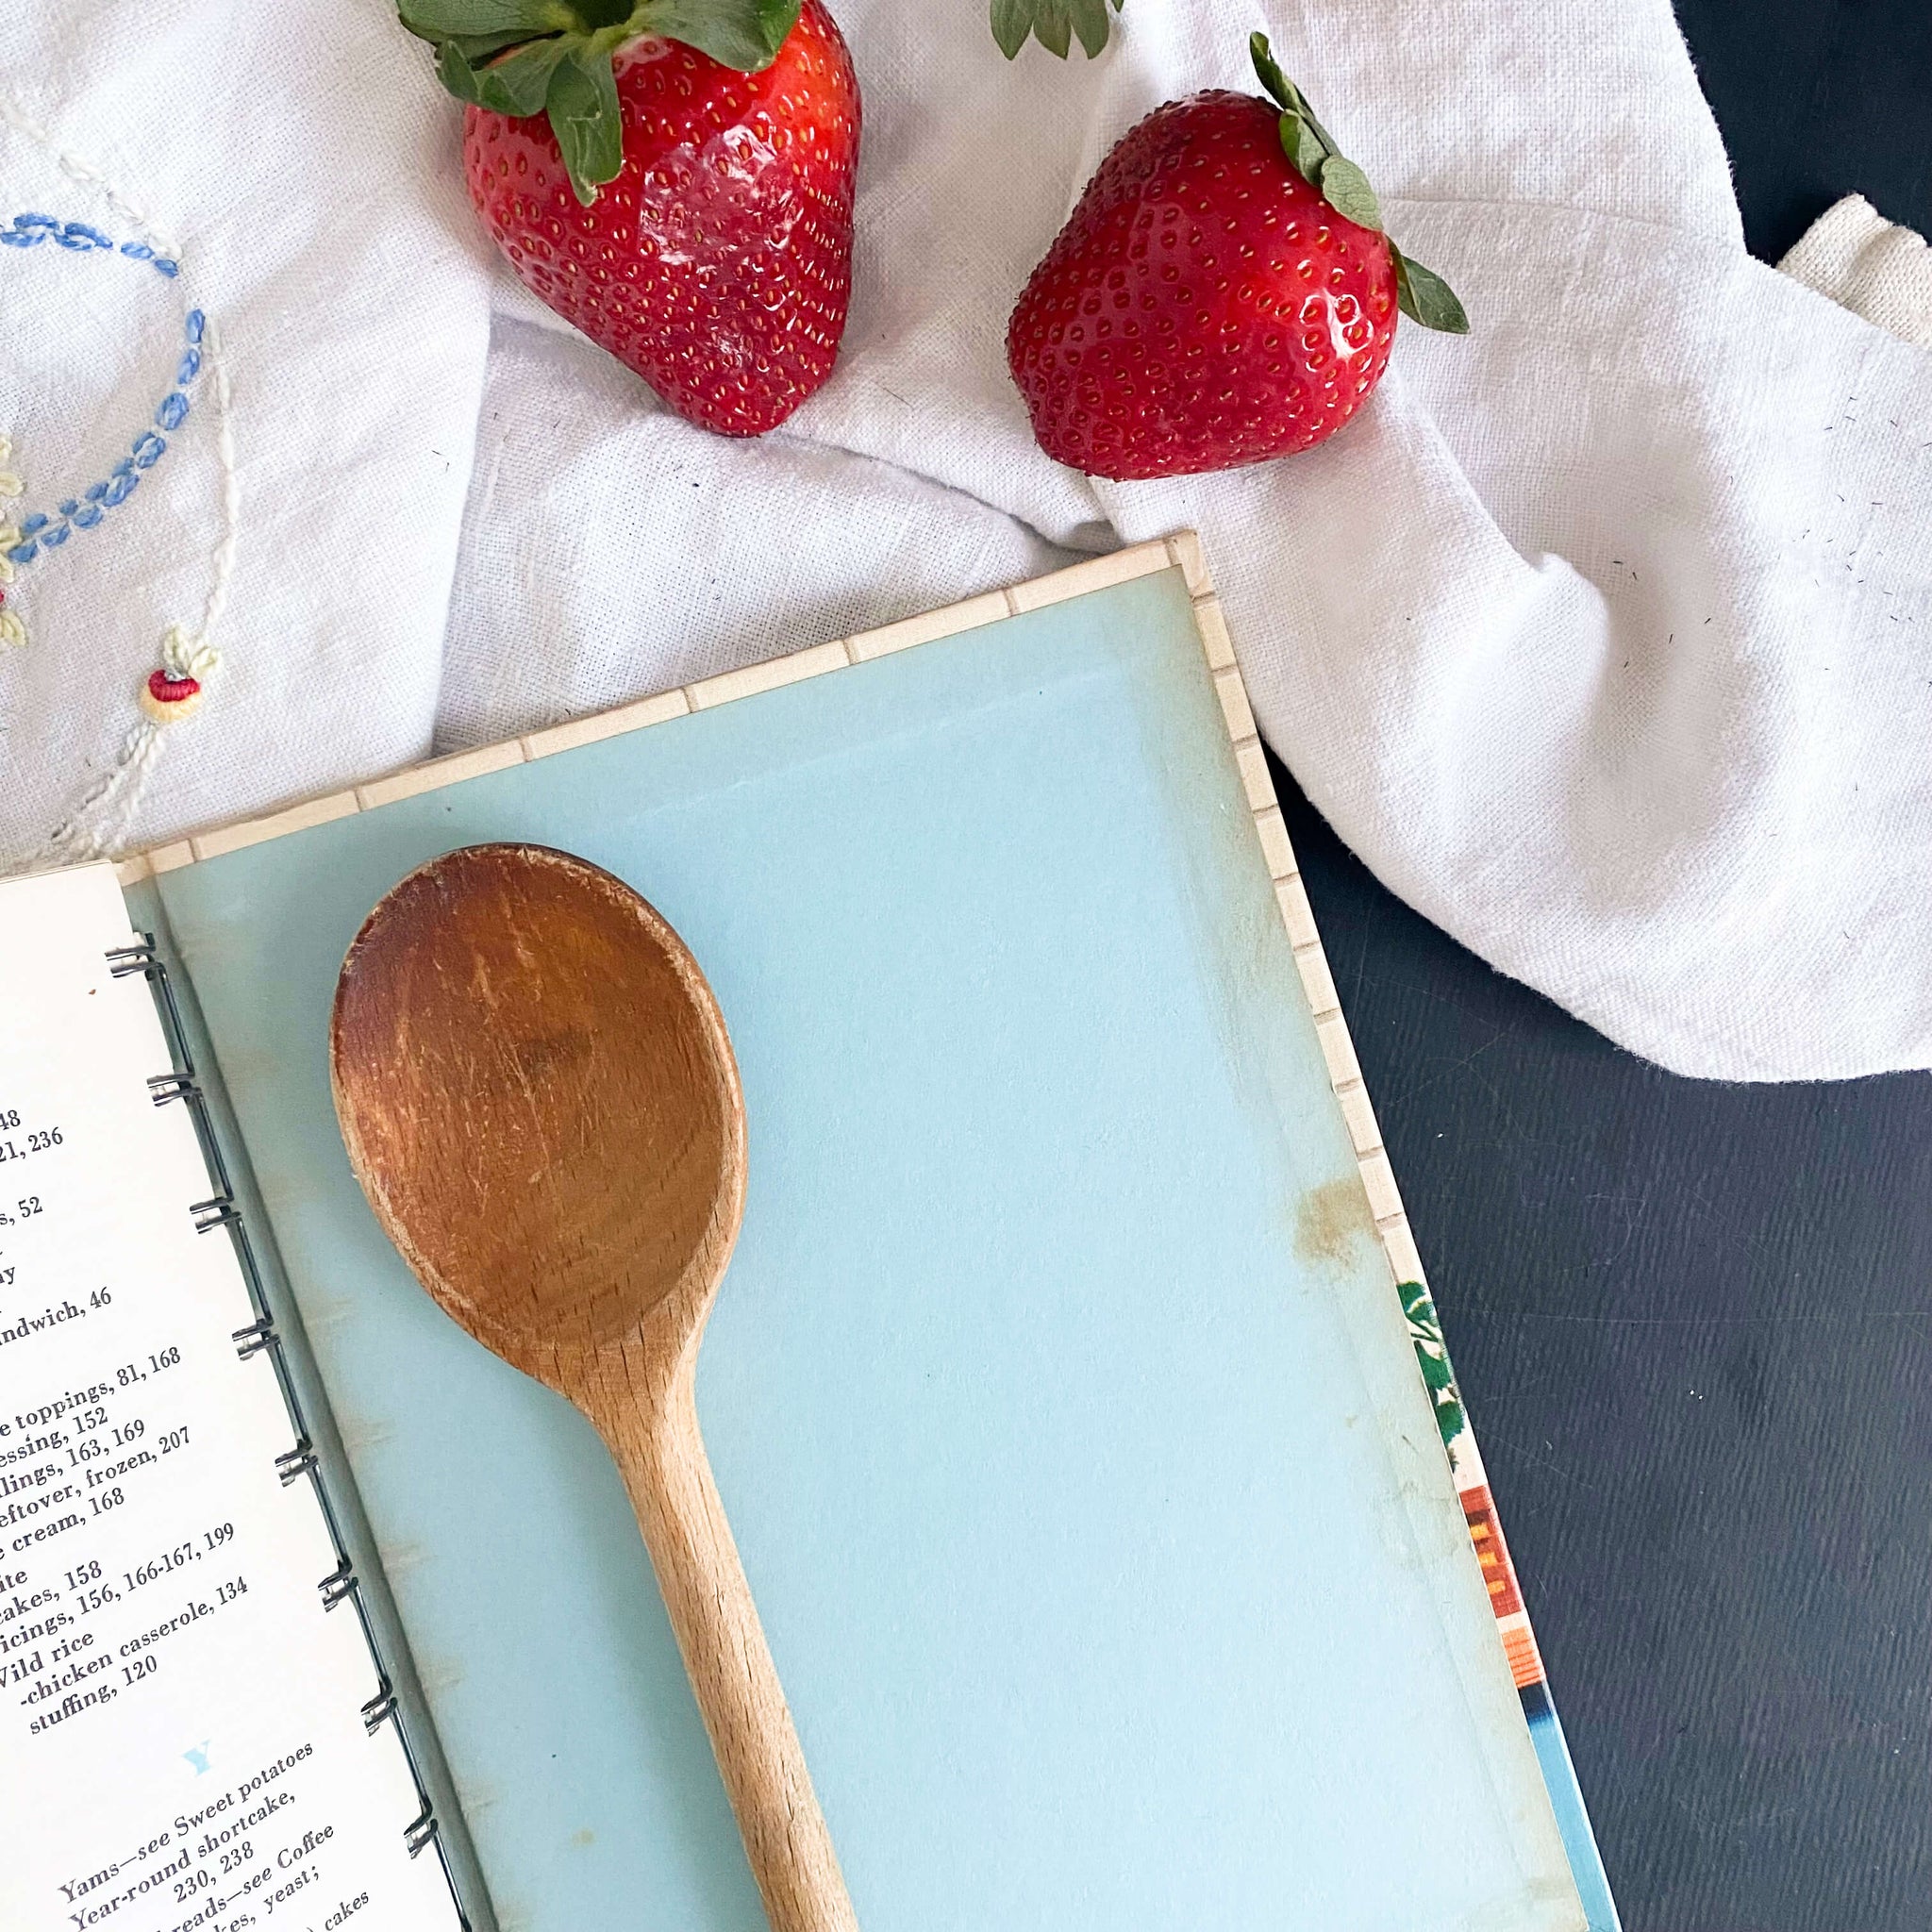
point(1098, 1517)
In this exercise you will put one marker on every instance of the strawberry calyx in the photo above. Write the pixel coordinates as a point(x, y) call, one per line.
point(1053, 24)
point(554, 57)
point(1422, 294)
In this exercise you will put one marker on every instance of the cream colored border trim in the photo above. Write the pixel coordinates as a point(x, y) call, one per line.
point(1182, 553)
point(1297, 916)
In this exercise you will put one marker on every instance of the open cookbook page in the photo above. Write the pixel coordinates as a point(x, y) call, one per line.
point(182, 1739)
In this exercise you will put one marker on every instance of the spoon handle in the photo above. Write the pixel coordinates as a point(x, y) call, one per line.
point(662, 1459)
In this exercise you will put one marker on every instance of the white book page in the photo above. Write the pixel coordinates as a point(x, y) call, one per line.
point(181, 1741)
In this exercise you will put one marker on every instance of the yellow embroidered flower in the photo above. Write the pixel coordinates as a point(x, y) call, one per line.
point(12, 631)
point(10, 484)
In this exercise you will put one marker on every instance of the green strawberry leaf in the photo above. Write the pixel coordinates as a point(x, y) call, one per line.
point(1291, 101)
point(519, 83)
point(1092, 24)
point(1425, 298)
point(478, 47)
point(1272, 77)
point(447, 20)
point(1050, 24)
point(1347, 190)
point(745, 34)
point(506, 56)
point(455, 72)
point(1012, 22)
point(1302, 146)
point(1308, 114)
point(581, 102)
point(1053, 24)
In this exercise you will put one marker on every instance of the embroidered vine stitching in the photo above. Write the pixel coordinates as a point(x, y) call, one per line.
point(43, 530)
point(12, 631)
point(30, 230)
point(175, 689)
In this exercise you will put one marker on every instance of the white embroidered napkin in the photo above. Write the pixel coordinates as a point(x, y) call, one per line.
point(280, 174)
point(1602, 635)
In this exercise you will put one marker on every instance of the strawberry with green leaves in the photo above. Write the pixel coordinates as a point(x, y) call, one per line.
point(1224, 292)
point(674, 177)
point(1053, 24)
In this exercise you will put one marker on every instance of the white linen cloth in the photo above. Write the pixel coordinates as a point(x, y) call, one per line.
point(1604, 634)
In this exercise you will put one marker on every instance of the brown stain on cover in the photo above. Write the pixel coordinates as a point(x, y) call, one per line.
point(1328, 1219)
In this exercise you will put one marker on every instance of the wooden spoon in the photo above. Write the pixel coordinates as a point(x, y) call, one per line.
point(540, 1099)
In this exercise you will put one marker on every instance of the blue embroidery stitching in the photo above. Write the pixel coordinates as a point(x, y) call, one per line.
point(30, 230)
point(48, 531)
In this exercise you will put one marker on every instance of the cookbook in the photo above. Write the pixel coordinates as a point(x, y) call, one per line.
point(1074, 1391)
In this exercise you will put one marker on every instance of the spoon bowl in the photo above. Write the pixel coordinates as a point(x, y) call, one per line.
point(538, 1092)
point(538, 1096)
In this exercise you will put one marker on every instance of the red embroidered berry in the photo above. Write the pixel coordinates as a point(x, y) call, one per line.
point(166, 698)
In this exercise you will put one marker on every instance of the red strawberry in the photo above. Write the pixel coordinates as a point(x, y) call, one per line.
point(1223, 293)
point(683, 197)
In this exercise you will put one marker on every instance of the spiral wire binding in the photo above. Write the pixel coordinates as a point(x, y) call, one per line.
point(220, 1211)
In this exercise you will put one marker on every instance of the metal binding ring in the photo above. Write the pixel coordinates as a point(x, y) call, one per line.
point(124, 961)
point(293, 1463)
point(214, 1213)
point(251, 1341)
point(423, 1831)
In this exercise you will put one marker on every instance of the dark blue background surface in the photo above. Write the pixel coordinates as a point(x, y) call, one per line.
point(1693, 1322)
